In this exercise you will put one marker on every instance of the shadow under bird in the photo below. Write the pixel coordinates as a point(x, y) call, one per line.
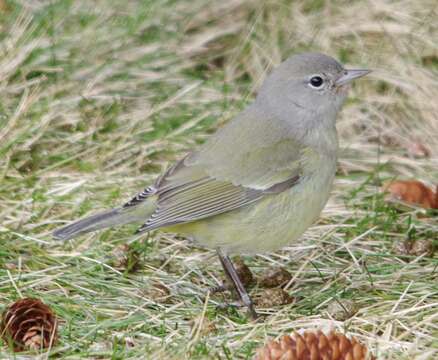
point(260, 181)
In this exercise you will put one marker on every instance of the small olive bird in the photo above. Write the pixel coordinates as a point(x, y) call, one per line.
point(260, 181)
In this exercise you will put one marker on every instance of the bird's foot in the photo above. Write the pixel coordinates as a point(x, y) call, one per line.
point(246, 300)
point(236, 283)
point(217, 289)
point(241, 304)
point(234, 304)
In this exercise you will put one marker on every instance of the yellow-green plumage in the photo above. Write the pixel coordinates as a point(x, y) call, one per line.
point(261, 180)
point(267, 225)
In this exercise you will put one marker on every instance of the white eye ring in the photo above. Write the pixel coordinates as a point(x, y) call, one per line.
point(316, 82)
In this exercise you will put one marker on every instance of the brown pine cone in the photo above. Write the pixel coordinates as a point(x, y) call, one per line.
point(29, 324)
point(275, 276)
point(422, 247)
point(126, 258)
point(314, 346)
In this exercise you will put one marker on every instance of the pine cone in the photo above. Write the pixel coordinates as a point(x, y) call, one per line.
point(29, 324)
point(314, 346)
point(126, 258)
point(275, 276)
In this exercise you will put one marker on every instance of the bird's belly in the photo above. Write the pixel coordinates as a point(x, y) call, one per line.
point(267, 225)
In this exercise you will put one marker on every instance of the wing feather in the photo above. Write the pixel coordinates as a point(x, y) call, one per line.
point(192, 205)
point(218, 178)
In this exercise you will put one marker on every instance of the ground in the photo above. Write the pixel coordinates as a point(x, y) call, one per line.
point(99, 97)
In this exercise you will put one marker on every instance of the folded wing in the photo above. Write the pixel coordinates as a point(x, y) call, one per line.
point(232, 170)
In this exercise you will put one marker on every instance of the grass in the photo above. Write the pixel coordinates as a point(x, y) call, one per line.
point(98, 97)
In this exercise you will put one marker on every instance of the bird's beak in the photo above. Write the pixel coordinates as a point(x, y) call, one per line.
point(349, 75)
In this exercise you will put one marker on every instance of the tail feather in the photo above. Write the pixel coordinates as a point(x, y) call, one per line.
point(114, 217)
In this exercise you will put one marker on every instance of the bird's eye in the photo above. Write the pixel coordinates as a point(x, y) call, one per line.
point(316, 81)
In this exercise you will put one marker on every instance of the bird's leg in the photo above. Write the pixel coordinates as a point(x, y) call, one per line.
point(234, 279)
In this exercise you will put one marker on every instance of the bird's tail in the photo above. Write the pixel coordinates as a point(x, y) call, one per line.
point(114, 217)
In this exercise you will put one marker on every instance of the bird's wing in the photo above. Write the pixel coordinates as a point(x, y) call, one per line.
point(237, 167)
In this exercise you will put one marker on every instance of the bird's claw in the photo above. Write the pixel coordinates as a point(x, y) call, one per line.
point(217, 289)
point(240, 304)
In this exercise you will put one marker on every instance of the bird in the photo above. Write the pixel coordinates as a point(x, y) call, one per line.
point(260, 181)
